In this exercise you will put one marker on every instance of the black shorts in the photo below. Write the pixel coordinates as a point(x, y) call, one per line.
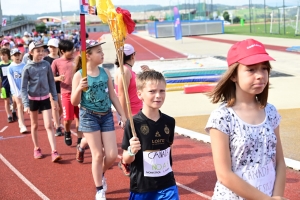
point(39, 105)
point(57, 84)
point(8, 93)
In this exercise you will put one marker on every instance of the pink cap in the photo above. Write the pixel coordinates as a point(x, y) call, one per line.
point(4, 42)
point(247, 52)
point(128, 49)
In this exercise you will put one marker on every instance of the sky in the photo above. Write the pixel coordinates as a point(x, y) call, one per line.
point(18, 7)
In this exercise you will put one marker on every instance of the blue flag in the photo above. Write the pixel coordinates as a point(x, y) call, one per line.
point(177, 24)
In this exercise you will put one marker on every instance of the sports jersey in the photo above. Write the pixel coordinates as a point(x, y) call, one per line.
point(156, 139)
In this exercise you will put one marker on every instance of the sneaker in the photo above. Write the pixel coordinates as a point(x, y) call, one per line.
point(10, 119)
point(80, 154)
point(37, 153)
point(23, 129)
point(104, 184)
point(124, 167)
point(14, 116)
point(100, 195)
point(68, 138)
point(55, 156)
point(58, 132)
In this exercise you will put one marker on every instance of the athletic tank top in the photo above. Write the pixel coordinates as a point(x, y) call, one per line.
point(135, 103)
point(96, 98)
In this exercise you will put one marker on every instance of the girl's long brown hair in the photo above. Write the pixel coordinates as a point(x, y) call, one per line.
point(78, 61)
point(225, 89)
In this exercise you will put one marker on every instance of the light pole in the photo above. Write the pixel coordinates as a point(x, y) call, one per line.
point(61, 17)
point(0, 19)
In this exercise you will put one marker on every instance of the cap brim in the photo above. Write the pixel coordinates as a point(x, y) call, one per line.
point(254, 59)
point(95, 45)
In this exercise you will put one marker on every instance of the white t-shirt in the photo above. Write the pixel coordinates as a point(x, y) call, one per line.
point(252, 148)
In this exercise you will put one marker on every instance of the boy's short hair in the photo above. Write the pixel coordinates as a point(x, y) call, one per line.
point(150, 75)
point(66, 45)
point(5, 51)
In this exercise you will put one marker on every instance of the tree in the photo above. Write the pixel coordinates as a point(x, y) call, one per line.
point(41, 28)
point(226, 16)
point(19, 18)
point(236, 20)
point(152, 18)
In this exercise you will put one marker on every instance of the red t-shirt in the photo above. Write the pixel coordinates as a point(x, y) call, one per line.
point(63, 66)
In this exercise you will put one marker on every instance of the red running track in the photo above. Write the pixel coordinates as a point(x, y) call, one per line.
point(146, 50)
point(68, 179)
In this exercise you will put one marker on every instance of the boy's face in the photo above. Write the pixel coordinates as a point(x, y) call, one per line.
point(16, 58)
point(153, 94)
point(69, 54)
point(4, 57)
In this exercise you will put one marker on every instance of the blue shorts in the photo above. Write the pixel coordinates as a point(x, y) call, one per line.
point(90, 122)
point(170, 193)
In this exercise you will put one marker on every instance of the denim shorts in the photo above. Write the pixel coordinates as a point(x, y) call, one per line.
point(90, 122)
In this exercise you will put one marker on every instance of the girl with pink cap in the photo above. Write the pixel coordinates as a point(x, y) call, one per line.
point(244, 130)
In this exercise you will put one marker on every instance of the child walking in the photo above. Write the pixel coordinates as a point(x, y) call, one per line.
point(37, 83)
point(244, 130)
point(64, 67)
point(14, 76)
point(4, 84)
point(95, 115)
point(56, 114)
point(155, 136)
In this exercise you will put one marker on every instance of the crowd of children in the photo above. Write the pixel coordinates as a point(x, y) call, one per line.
point(244, 130)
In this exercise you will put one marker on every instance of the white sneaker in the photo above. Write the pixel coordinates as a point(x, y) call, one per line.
point(104, 184)
point(100, 195)
point(23, 129)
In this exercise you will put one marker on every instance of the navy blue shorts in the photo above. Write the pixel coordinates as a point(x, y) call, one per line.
point(90, 122)
point(170, 193)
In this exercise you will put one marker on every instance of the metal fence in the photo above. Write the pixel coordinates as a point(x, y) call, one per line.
point(166, 29)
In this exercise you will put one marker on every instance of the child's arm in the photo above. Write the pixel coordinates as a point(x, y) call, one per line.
point(25, 79)
point(52, 86)
point(13, 87)
point(222, 163)
point(121, 92)
point(78, 84)
point(113, 97)
point(135, 146)
point(280, 168)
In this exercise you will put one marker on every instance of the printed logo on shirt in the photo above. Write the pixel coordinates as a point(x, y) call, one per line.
point(17, 75)
point(144, 129)
point(167, 130)
point(157, 134)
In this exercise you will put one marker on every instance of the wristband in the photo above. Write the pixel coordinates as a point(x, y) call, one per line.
point(129, 151)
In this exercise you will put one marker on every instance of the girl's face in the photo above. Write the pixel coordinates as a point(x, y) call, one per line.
point(4, 57)
point(16, 58)
point(37, 54)
point(53, 50)
point(7, 45)
point(97, 55)
point(252, 79)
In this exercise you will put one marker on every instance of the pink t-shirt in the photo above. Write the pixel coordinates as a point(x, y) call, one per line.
point(64, 66)
point(135, 103)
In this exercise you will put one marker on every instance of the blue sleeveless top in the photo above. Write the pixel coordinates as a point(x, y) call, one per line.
point(96, 98)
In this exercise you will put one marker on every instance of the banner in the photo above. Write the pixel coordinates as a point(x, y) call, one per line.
point(4, 21)
point(86, 8)
point(177, 24)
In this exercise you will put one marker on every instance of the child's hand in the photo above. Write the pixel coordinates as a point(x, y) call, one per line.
point(62, 78)
point(83, 83)
point(27, 110)
point(135, 145)
point(122, 121)
point(55, 106)
point(145, 68)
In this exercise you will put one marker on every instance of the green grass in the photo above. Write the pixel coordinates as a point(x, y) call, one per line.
point(259, 30)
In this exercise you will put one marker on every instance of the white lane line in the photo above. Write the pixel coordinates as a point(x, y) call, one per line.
point(5, 127)
point(145, 48)
point(186, 188)
point(27, 182)
point(193, 191)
